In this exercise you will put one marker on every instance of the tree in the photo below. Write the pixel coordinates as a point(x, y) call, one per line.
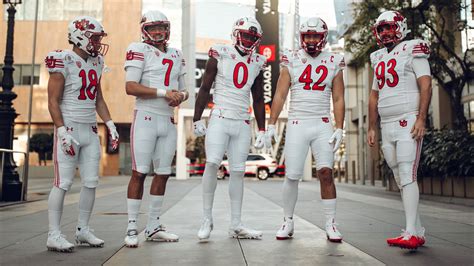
point(41, 143)
point(433, 20)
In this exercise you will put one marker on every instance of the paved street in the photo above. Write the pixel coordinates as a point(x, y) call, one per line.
point(367, 215)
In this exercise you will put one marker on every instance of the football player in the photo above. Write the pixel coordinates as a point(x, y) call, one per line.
point(155, 76)
point(312, 76)
point(400, 95)
point(236, 70)
point(74, 97)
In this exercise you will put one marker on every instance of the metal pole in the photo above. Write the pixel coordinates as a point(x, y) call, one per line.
point(12, 186)
point(27, 157)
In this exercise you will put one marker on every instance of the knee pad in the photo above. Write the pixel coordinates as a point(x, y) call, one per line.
point(163, 170)
point(90, 182)
point(240, 167)
point(406, 173)
point(212, 165)
point(142, 169)
point(64, 185)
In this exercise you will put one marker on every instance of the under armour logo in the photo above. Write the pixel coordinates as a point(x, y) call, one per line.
point(396, 53)
point(94, 64)
point(403, 123)
point(295, 122)
point(69, 129)
point(94, 129)
point(332, 58)
point(148, 118)
point(323, 61)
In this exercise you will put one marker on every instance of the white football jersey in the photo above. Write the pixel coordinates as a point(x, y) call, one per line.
point(235, 77)
point(395, 79)
point(311, 82)
point(160, 70)
point(81, 81)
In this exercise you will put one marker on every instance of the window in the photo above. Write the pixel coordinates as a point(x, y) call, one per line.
point(22, 74)
point(58, 9)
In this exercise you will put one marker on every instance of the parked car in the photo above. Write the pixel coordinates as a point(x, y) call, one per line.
point(260, 165)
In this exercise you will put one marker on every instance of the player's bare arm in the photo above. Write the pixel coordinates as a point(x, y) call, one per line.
point(338, 99)
point(55, 94)
point(373, 116)
point(258, 101)
point(204, 92)
point(282, 89)
point(100, 105)
point(424, 84)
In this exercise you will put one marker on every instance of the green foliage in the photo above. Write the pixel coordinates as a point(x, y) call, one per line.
point(433, 20)
point(41, 143)
point(447, 153)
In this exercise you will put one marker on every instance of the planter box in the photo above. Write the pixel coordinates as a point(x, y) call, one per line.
point(460, 187)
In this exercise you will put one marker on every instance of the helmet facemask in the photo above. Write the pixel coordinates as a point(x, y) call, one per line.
point(156, 32)
point(247, 40)
point(387, 33)
point(95, 47)
point(312, 41)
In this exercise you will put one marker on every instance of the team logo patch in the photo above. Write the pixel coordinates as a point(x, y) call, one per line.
point(325, 119)
point(403, 123)
point(52, 62)
point(94, 129)
point(83, 24)
point(78, 64)
point(131, 55)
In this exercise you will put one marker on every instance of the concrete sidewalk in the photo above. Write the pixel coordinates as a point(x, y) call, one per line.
point(367, 215)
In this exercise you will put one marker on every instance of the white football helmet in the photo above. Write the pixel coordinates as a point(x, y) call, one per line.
point(86, 33)
point(314, 26)
point(154, 18)
point(246, 34)
point(398, 28)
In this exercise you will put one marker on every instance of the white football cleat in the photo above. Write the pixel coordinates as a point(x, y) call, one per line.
point(206, 228)
point(131, 239)
point(58, 242)
point(244, 233)
point(159, 234)
point(286, 230)
point(332, 233)
point(84, 235)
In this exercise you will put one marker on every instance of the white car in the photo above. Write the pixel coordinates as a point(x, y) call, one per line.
point(260, 165)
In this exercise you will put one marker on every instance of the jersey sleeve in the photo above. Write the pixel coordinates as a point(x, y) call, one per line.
point(215, 52)
point(55, 62)
point(182, 69)
point(340, 63)
point(285, 59)
point(374, 84)
point(262, 61)
point(372, 59)
point(420, 49)
point(135, 56)
point(421, 67)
